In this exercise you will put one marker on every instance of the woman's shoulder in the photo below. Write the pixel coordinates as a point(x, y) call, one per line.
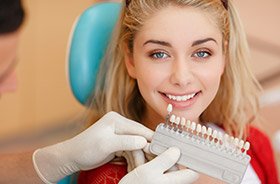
point(257, 135)
point(108, 173)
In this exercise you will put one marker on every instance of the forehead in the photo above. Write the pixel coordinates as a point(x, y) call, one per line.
point(179, 24)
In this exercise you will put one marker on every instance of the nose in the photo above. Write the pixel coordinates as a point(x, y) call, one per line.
point(182, 74)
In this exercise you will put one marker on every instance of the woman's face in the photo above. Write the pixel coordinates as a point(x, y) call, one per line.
point(177, 59)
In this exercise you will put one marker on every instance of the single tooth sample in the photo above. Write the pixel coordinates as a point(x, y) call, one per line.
point(209, 133)
point(198, 129)
point(214, 135)
point(236, 143)
point(169, 108)
point(172, 118)
point(193, 126)
point(246, 147)
point(188, 124)
point(240, 146)
point(177, 121)
point(183, 122)
point(203, 131)
point(220, 138)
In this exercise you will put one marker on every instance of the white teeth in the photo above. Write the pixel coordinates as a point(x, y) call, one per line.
point(181, 98)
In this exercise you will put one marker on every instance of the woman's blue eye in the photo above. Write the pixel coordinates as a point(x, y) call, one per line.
point(202, 54)
point(159, 55)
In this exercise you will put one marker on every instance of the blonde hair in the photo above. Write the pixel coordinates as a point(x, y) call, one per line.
point(237, 97)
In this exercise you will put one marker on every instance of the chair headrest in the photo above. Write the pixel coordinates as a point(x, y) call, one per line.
point(87, 45)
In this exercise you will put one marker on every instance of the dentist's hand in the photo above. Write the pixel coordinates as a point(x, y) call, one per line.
point(91, 148)
point(154, 172)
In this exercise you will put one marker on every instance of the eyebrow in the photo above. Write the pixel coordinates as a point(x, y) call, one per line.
point(195, 43)
point(163, 43)
point(198, 42)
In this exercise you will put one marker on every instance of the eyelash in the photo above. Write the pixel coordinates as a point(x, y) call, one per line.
point(204, 52)
point(153, 54)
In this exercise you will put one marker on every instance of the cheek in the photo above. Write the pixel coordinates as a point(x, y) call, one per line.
point(150, 75)
point(211, 77)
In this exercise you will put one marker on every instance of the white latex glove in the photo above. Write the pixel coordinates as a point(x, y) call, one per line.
point(153, 172)
point(93, 147)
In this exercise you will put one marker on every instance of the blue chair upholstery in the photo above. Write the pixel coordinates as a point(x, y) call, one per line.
point(88, 42)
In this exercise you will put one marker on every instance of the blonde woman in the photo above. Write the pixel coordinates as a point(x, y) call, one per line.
point(192, 54)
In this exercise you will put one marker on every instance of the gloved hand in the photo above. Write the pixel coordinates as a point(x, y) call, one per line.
point(153, 172)
point(93, 147)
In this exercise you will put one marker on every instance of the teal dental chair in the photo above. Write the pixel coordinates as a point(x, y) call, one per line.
point(88, 42)
point(87, 45)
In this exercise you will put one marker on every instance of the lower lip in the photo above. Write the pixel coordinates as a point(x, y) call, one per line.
point(181, 104)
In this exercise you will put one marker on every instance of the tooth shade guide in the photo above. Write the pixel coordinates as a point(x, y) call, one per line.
point(203, 156)
point(197, 131)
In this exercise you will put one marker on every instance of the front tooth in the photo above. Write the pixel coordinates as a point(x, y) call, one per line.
point(181, 98)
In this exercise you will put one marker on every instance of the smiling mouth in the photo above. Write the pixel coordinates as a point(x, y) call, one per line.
point(181, 98)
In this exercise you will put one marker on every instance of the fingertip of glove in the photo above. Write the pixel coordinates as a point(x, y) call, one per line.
point(172, 154)
point(140, 142)
point(174, 151)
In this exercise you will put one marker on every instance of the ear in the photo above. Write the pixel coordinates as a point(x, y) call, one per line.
point(129, 63)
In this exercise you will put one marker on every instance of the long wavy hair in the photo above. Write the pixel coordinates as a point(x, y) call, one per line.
point(236, 102)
